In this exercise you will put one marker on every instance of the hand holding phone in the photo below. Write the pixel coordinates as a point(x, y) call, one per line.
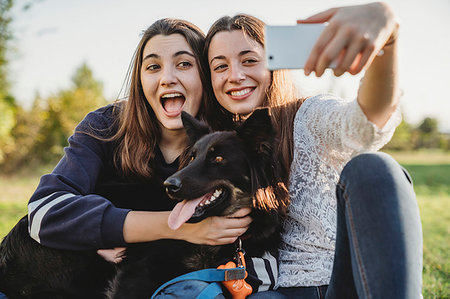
point(288, 47)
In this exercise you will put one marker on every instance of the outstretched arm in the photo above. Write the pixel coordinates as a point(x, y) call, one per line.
point(353, 39)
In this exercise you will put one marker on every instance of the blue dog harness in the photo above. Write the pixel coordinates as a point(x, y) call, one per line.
point(208, 275)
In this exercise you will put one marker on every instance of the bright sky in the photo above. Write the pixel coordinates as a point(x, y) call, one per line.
point(54, 37)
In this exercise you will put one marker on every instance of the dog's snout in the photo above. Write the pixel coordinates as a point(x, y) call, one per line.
point(172, 185)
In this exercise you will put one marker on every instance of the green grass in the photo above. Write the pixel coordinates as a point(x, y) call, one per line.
point(431, 176)
point(429, 170)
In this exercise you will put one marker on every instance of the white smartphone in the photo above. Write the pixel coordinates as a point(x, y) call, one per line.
point(288, 47)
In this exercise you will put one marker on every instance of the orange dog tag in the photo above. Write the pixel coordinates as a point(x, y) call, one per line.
point(238, 288)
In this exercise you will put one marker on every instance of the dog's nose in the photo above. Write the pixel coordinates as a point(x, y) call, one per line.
point(172, 185)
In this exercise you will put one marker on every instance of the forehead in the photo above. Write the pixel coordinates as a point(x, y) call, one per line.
point(233, 41)
point(166, 44)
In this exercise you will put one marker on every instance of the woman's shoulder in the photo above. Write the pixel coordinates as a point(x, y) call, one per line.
point(103, 118)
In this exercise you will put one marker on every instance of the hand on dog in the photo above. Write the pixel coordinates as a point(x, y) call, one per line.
point(353, 37)
point(114, 255)
point(219, 230)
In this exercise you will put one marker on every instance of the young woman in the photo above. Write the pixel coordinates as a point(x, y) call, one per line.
point(353, 227)
point(107, 190)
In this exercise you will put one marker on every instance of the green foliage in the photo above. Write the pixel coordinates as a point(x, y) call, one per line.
point(5, 37)
point(425, 135)
point(40, 134)
point(7, 119)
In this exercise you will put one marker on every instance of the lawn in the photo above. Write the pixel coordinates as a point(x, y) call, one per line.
point(429, 170)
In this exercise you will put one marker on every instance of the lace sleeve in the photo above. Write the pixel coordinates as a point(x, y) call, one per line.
point(342, 125)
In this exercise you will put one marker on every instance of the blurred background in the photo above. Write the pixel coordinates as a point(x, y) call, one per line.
point(62, 59)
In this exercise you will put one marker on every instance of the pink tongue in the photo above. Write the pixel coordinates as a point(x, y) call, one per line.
point(182, 212)
point(173, 104)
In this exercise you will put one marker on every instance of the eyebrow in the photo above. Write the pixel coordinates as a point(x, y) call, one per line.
point(182, 52)
point(242, 53)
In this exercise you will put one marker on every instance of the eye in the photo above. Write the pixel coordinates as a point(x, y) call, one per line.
point(184, 64)
point(220, 67)
point(218, 159)
point(250, 61)
point(152, 67)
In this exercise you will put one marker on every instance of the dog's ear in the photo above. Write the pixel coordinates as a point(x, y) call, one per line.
point(257, 129)
point(195, 129)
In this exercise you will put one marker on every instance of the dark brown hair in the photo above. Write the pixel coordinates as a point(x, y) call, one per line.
point(281, 95)
point(138, 131)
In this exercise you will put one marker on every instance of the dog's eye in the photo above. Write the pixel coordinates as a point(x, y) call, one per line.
point(218, 159)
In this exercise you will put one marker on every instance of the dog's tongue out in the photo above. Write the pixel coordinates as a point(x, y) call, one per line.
point(182, 212)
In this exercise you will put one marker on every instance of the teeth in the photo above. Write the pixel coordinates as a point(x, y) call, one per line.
point(171, 95)
point(217, 193)
point(213, 198)
point(207, 202)
point(241, 92)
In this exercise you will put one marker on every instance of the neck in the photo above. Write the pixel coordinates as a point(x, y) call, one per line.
point(172, 144)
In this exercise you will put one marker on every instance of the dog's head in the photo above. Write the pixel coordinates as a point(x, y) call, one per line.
point(225, 170)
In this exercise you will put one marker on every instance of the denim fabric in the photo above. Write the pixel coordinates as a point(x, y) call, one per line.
point(379, 234)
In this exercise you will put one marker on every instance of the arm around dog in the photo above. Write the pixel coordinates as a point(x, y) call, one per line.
point(149, 226)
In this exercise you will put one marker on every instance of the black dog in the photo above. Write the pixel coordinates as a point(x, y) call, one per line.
point(29, 270)
point(235, 168)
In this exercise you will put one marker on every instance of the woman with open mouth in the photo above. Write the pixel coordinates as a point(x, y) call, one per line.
point(107, 192)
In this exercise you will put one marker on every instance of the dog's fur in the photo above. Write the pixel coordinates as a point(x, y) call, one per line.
point(241, 163)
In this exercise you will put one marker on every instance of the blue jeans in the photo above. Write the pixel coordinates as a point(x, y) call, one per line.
point(379, 236)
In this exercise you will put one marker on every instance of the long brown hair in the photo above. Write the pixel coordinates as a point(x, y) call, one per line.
point(138, 131)
point(281, 96)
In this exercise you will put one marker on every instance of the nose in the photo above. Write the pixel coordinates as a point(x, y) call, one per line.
point(237, 74)
point(172, 185)
point(168, 76)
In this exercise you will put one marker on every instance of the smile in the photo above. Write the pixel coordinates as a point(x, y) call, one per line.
point(241, 94)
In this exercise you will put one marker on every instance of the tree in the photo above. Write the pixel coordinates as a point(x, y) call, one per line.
point(7, 119)
point(401, 140)
point(41, 134)
point(65, 110)
point(428, 134)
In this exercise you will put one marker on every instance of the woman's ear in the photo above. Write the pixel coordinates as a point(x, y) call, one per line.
point(195, 129)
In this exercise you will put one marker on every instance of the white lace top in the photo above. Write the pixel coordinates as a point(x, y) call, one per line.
point(328, 132)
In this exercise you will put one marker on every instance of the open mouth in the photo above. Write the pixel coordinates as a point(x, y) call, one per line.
point(172, 103)
point(196, 209)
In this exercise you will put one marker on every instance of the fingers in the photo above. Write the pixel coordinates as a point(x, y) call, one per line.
point(228, 237)
point(114, 255)
point(331, 52)
point(352, 55)
point(241, 213)
point(325, 37)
